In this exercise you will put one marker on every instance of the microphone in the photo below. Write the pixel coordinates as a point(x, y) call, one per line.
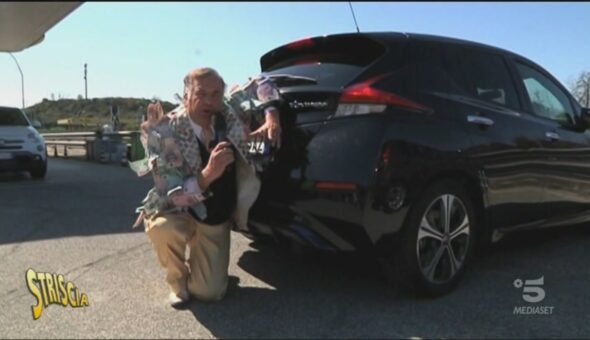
point(220, 130)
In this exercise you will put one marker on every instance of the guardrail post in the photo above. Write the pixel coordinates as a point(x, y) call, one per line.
point(87, 147)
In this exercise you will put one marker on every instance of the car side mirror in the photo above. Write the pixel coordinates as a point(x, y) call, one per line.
point(36, 124)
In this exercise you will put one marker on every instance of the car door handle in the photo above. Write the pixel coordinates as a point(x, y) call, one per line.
point(479, 120)
point(552, 135)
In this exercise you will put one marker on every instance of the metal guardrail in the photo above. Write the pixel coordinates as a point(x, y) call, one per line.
point(98, 146)
point(89, 134)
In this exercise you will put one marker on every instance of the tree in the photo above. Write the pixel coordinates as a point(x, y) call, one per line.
point(80, 97)
point(580, 88)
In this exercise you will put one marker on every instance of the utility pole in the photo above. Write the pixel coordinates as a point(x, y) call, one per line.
point(22, 80)
point(85, 81)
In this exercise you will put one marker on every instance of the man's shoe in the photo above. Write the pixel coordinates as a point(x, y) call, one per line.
point(179, 300)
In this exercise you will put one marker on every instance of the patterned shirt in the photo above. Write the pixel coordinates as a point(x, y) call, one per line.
point(172, 152)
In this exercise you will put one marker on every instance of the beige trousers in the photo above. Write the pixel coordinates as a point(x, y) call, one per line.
point(206, 275)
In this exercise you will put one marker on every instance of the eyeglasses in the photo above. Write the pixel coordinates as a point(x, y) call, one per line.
point(212, 95)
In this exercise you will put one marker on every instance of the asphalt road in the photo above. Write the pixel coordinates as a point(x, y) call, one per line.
point(77, 223)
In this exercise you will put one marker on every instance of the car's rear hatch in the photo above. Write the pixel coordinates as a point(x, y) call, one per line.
point(313, 72)
point(322, 80)
point(320, 153)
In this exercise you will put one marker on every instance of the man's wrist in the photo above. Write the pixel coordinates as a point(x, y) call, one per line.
point(271, 114)
point(204, 179)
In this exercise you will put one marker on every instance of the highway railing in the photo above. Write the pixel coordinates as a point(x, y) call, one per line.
point(119, 146)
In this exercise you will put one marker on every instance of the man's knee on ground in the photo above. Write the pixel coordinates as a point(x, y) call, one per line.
point(208, 293)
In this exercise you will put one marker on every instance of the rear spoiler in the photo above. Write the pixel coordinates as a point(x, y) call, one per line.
point(354, 49)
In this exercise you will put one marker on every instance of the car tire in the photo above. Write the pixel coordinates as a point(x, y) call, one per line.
point(422, 261)
point(40, 171)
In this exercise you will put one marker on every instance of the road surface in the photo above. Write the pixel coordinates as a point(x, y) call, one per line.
point(77, 223)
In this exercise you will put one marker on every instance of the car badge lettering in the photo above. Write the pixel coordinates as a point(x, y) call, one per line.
point(297, 105)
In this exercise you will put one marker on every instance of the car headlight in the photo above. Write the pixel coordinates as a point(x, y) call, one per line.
point(32, 136)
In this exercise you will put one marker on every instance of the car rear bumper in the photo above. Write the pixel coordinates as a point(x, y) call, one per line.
point(324, 190)
point(331, 221)
point(282, 221)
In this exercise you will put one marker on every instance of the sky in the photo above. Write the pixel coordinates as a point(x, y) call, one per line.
point(144, 50)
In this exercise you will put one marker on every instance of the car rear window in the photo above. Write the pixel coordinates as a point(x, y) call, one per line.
point(323, 74)
point(12, 117)
point(329, 61)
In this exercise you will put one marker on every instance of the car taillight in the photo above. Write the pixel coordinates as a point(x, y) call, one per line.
point(363, 98)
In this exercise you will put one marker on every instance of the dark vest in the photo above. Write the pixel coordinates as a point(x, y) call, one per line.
point(222, 204)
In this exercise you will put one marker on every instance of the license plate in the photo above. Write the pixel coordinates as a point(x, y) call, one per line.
point(5, 156)
point(257, 148)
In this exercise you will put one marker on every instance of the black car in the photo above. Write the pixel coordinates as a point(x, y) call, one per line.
point(419, 149)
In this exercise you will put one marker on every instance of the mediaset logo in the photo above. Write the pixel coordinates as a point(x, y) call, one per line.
point(532, 292)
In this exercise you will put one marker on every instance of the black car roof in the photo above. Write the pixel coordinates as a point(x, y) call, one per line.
point(397, 36)
point(428, 37)
point(386, 37)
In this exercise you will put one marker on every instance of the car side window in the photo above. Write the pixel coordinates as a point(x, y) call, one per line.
point(547, 99)
point(484, 76)
point(422, 71)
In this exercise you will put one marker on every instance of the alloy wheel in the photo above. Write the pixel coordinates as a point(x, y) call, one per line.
point(443, 239)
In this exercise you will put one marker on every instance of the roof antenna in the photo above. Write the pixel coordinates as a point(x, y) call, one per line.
point(354, 17)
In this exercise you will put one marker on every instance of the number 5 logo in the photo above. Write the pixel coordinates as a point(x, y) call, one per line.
point(532, 291)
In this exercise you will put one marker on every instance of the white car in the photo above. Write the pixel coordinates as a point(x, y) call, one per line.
point(22, 148)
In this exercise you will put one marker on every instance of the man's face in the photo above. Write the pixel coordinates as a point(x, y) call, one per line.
point(205, 96)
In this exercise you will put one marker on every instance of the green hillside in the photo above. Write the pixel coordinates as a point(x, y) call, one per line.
point(91, 114)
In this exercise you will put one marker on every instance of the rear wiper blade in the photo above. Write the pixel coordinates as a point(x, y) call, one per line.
point(289, 79)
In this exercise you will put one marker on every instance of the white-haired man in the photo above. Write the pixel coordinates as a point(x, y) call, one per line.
point(225, 188)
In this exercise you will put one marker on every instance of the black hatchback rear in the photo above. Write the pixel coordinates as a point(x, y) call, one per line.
point(418, 149)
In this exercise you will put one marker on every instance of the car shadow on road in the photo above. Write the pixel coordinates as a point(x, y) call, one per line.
point(345, 296)
point(295, 297)
point(14, 176)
